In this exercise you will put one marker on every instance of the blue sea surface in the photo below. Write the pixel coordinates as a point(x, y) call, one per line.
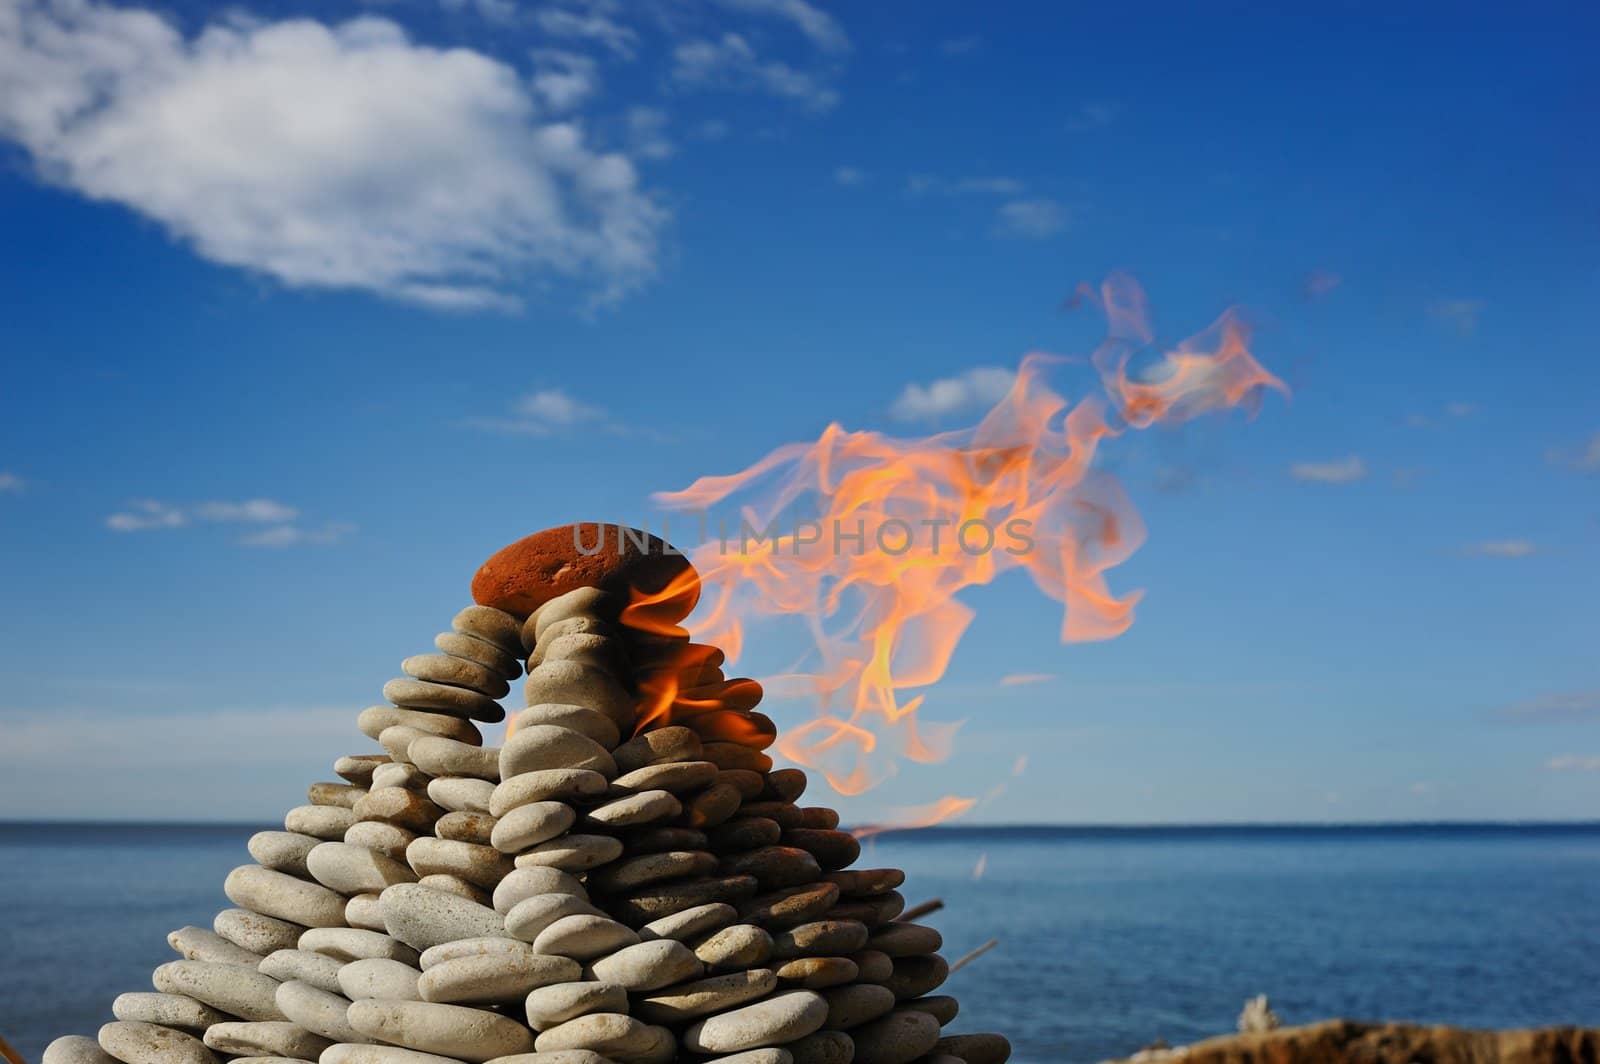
point(1108, 938)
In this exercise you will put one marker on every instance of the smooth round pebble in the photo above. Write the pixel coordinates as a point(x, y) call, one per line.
point(898, 1038)
point(271, 1039)
point(353, 944)
point(647, 965)
point(540, 747)
point(572, 853)
point(583, 937)
point(778, 1019)
point(376, 977)
point(283, 896)
point(681, 1003)
point(76, 1049)
point(524, 883)
point(448, 1030)
point(168, 1010)
point(282, 851)
point(288, 965)
point(421, 917)
point(551, 784)
point(532, 915)
point(146, 1043)
point(256, 933)
point(242, 992)
point(528, 825)
point(492, 979)
point(352, 869)
point(551, 1005)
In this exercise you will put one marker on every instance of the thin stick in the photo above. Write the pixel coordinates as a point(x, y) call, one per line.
point(10, 1054)
point(931, 906)
point(974, 955)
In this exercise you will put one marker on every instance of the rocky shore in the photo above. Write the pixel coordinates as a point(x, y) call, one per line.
point(1385, 1043)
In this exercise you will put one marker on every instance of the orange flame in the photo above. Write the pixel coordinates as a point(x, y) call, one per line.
point(895, 529)
point(919, 816)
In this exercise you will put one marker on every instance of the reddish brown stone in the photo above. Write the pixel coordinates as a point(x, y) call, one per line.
point(535, 569)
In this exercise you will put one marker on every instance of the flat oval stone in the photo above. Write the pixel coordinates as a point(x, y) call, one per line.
point(318, 1011)
point(492, 979)
point(529, 825)
point(821, 938)
point(816, 973)
point(457, 886)
point(647, 965)
point(258, 934)
point(277, 1038)
point(400, 773)
point(421, 918)
point(827, 1047)
point(363, 911)
point(346, 944)
point(482, 866)
point(787, 816)
point(549, 1006)
point(168, 1010)
point(775, 866)
point(146, 1043)
point(790, 906)
point(282, 851)
point(524, 883)
point(590, 602)
point(460, 794)
point(557, 784)
point(872, 966)
point(645, 807)
point(905, 940)
point(915, 977)
point(941, 1007)
point(357, 768)
point(749, 784)
point(898, 1038)
point(861, 882)
point(396, 742)
point(477, 947)
point(378, 977)
point(572, 853)
point(781, 1018)
point(662, 838)
point(351, 869)
point(497, 660)
point(400, 807)
point(466, 826)
point(739, 946)
point(691, 923)
point(492, 625)
point(242, 992)
point(343, 795)
point(815, 816)
point(408, 693)
point(457, 672)
point(597, 558)
point(374, 1054)
point(872, 911)
point(581, 719)
point(651, 868)
point(589, 648)
point(713, 806)
point(291, 965)
point(583, 937)
point(319, 821)
point(678, 777)
point(578, 684)
point(664, 899)
point(765, 1055)
point(76, 1049)
point(541, 747)
point(374, 720)
point(832, 849)
point(438, 756)
point(679, 1004)
point(735, 755)
point(387, 839)
point(448, 1030)
point(673, 743)
point(852, 1006)
point(198, 944)
point(532, 915)
point(744, 833)
point(611, 1034)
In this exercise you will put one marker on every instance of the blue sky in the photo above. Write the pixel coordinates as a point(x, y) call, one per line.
point(311, 308)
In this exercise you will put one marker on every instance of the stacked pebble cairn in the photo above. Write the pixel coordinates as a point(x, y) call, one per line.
point(583, 895)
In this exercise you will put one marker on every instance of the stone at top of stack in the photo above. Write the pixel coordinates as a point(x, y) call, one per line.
point(644, 897)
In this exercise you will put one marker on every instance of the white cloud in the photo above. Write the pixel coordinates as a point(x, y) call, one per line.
point(1584, 458)
point(281, 520)
point(256, 511)
point(849, 176)
point(1501, 548)
point(11, 484)
point(145, 514)
point(817, 25)
point(1458, 315)
point(978, 388)
point(282, 536)
point(1556, 708)
point(548, 412)
point(341, 156)
point(563, 80)
point(595, 21)
point(1338, 471)
point(1573, 763)
point(1026, 679)
point(730, 62)
point(500, 11)
point(647, 133)
point(996, 185)
point(1031, 218)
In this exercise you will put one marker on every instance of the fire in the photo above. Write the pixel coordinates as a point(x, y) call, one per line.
point(921, 816)
point(883, 535)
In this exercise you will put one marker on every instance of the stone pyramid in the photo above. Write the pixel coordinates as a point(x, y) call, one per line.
point(628, 879)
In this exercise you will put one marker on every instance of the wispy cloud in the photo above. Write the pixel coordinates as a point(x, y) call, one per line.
point(1319, 283)
point(1458, 315)
point(554, 412)
point(1337, 471)
point(1454, 411)
point(1501, 548)
point(281, 537)
point(816, 25)
point(987, 184)
point(563, 80)
point(1584, 458)
point(593, 21)
point(11, 484)
point(647, 133)
point(978, 388)
point(731, 62)
point(1572, 763)
point(849, 176)
point(1023, 679)
point(1092, 116)
point(1032, 219)
point(1560, 708)
point(281, 521)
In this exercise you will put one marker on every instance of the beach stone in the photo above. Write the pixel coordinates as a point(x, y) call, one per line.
point(672, 743)
point(198, 944)
point(319, 821)
point(819, 818)
point(564, 784)
point(492, 979)
point(662, 838)
point(377, 977)
point(466, 826)
point(677, 777)
point(715, 805)
point(941, 1007)
point(821, 938)
point(299, 965)
point(583, 937)
point(774, 866)
point(477, 947)
point(915, 977)
point(815, 973)
point(375, 1054)
point(396, 742)
point(145, 1043)
point(343, 795)
point(898, 1038)
point(363, 911)
point(374, 720)
point(358, 768)
point(823, 1047)
point(872, 911)
point(242, 992)
point(408, 693)
point(282, 851)
point(492, 625)
point(524, 883)
point(400, 807)
point(905, 940)
point(790, 906)
point(679, 1004)
point(352, 869)
point(500, 662)
point(872, 966)
point(749, 784)
point(438, 756)
point(664, 899)
point(270, 1039)
point(482, 866)
point(258, 934)
point(735, 755)
point(766, 1055)
point(448, 1030)
point(651, 868)
point(401, 773)
point(541, 747)
point(76, 1049)
point(863, 882)
point(168, 1010)
point(579, 623)
point(318, 1011)
point(529, 917)
point(387, 839)
point(739, 946)
point(691, 923)
point(832, 849)
point(457, 886)
point(613, 1035)
point(348, 944)
point(572, 853)
point(852, 1006)
point(647, 965)
point(460, 794)
point(550, 1006)
point(421, 917)
point(781, 1018)
point(574, 683)
point(526, 575)
point(528, 825)
point(456, 672)
point(283, 896)
point(581, 719)
point(744, 833)
point(591, 603)
point(586, 648)
point(978, 1048)
point(645, 807)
